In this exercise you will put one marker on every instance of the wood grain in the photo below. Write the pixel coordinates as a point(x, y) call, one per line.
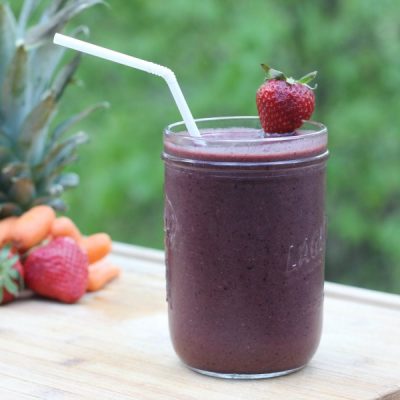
point(114, 345)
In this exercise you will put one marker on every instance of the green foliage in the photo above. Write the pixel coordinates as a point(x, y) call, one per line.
point(215, 48)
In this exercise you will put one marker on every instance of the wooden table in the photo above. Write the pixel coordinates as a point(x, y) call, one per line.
point(114, 345)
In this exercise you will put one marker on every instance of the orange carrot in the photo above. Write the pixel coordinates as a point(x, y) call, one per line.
point(100, 273)
point(63, 226)
point(32, 227)
point(6, 226)
point(96, 246)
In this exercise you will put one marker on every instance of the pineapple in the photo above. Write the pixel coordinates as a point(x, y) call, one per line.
point(33, 152)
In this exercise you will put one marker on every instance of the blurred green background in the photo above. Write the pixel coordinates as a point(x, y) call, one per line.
point(215, 48)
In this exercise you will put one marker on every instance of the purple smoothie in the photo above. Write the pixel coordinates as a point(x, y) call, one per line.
point(245, 243)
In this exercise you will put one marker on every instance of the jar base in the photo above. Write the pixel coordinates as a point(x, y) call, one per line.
point(268, 375)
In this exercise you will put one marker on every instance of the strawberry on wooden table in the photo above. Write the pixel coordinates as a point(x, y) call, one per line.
point(284, 103)
point(11, 276)
point(58, 270)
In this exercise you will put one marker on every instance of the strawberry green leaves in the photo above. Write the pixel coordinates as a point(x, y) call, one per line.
point(273, 73)
point(278, 75)
point(308, 78)
point(11, 280)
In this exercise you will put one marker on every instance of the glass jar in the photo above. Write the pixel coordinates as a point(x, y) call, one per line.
point(245, 246)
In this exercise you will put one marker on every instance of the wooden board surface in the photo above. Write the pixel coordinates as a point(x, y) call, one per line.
point(114, 345)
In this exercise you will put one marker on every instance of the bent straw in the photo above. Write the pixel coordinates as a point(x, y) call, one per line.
point(137, 63)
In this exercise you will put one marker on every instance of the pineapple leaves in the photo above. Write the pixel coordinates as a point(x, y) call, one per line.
point(27, 9)
point(8, 31)
point(33, 158)
point(44, 61)
point(61, 154)
point(6, 148)
point(37, 119)
point(65, 76)
point(54, 7)
point(68, 180)
point(64, 126)
point(35, 127)
point(81, 29)
point(17, 72)
point(58, 204)
point(14, 170)
point(59, 184)
point(40, 33)
point(5, 154)
point(65, 149)
point(13, 96)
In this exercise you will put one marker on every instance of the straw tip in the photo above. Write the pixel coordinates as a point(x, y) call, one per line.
point(56, 38)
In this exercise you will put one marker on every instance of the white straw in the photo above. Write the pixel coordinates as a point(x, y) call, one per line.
point(137, 63)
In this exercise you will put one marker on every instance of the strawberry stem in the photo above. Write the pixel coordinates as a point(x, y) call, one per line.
point(278, 75)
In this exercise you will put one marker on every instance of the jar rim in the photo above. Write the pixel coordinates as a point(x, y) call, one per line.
point(240, 139)
point(315, 129)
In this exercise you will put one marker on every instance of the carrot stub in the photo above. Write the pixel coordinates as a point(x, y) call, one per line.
point(32, 227)
point(96, 246)
point(6, 226)
point(100, 273)
point(64, 226)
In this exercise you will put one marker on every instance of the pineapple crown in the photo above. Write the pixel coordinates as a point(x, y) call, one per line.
point(33, 153)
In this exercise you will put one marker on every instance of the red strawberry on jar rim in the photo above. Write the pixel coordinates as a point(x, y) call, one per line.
point(58, 270)
point(11, 276)
point(284, 103)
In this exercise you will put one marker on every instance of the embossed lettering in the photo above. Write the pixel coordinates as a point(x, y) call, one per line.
point(304, 253)
point(300, 254)
point(292, 257)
